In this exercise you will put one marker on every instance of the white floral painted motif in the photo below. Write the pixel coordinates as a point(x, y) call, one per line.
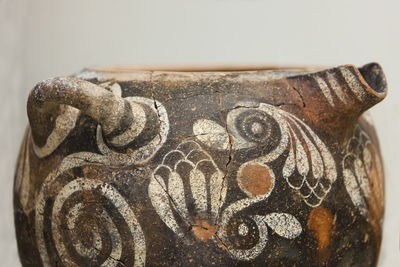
point(361, 165)
point(64, 217)
point(252, 125)
point(188, 162)
point(188, 177)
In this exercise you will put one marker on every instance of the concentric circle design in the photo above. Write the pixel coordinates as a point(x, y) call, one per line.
point(86, 221)
point(255, 126)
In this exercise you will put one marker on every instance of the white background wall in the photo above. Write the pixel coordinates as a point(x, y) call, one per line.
point(44, 38)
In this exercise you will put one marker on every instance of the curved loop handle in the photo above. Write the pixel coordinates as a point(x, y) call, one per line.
point(53, 106)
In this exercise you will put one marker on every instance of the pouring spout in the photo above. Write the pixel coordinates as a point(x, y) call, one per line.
point(375, 82)
point(335, 98)
point(367, 86)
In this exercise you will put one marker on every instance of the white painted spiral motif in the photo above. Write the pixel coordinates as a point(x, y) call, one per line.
point(146, 114)
point(86, 206)
point(260, 125)
point(136, 145)
point(133, 146)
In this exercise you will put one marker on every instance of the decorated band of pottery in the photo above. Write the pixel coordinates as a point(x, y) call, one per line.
point(135, 167)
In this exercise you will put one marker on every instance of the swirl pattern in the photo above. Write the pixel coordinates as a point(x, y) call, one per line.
point(309, 167)
point(87, 218)
point(143, 139)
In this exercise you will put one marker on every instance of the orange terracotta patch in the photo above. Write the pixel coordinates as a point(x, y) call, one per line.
point(256, 179)
point(320, 222)
point(203, 230)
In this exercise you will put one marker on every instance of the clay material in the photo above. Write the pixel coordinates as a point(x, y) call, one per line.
point(268, 167)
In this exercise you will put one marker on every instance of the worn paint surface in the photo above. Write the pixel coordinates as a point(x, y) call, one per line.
point(261, 125)
point(320, 222)
point(247, 168)
point(363, 177)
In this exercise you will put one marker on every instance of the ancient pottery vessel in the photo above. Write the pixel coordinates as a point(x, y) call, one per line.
point(276, 167)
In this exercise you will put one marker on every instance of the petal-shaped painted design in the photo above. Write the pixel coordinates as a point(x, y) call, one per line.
point(284, 224)
point(177, 193)
point(362, 177)
point(352, 187)
point(306, 150)
point(199, 189)
point(362, 172)
point(160, 201)
point(289, 166)
point(316, 159)
point(301, 158)
point(196, 187)
point(211, 134)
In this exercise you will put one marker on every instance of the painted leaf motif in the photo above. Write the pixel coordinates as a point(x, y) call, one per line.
point(159, 200)
point(309, 167)
point(177, 193)
point(352, 187)
point(322, 164)
point(362, 172)
point(289, 167)
point(211, 134)
point(362, 176)
point(284, 224)
point(199, 189)
point(316, 159)
point(301, 158)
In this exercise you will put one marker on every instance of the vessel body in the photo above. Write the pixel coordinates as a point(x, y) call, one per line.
point(123, 167)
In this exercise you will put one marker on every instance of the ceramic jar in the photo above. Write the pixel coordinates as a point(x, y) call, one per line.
point(130, 167)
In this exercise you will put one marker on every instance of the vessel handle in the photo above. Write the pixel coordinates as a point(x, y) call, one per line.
point(48, 99)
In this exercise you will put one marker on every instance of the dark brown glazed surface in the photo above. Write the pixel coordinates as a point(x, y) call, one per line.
point(235, 168)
